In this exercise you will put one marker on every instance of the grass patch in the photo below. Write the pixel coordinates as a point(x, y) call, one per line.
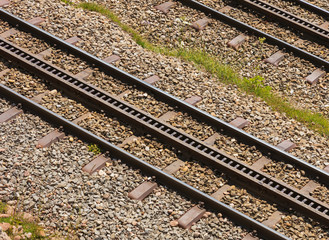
point(31, 227)
point(94, 148)
point(17, 220)
point(224, 73)
point(67, 2)
point(2, 207)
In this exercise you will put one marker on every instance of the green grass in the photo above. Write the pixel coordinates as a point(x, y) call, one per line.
point(17, 219)
point(27, 226)
point(224, 73)
point(94, 148)
point(2, 207)
point(67, 2)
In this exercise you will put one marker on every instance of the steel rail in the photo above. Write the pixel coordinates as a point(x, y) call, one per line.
point(166, 179)
point(288, 18)
point(226, 128)
point(266, 148)
point(245, 27)
point(255, 181)
point(323, 12)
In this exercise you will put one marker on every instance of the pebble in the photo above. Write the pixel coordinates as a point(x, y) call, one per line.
point(28, 217)
point(3, 235)
point(5, 226)
point(28, 235)
point(174, 223)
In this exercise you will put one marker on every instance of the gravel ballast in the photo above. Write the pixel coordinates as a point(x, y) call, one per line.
point(248, 204)
point(26, 40)
point(50, 183)
point(299, 10)
point(182, 80)
point(270, 126)
point(193, 173)
point(4, 26)
point(173, 30)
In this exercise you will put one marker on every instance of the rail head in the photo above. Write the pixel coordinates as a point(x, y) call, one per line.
point(226, 128)
point(323, 12)
point(245, 27)
point(254, 180)
point(166, 179)
point(314, 31)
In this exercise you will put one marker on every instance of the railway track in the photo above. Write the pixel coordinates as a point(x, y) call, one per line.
point(185, 142)
point(52, 177)
point(319, 4)
point(289, 53)
point(314, 8)
point(289, 19)
point(153, 171)
point(296, 76)
point(231, 17)
point(196, 113)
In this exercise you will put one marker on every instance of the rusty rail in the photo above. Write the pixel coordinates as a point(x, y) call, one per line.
point(225, 128)
point(166, 179)
point(254, 180)
point(322, 12)
point(269, 10)
point(320, 62)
